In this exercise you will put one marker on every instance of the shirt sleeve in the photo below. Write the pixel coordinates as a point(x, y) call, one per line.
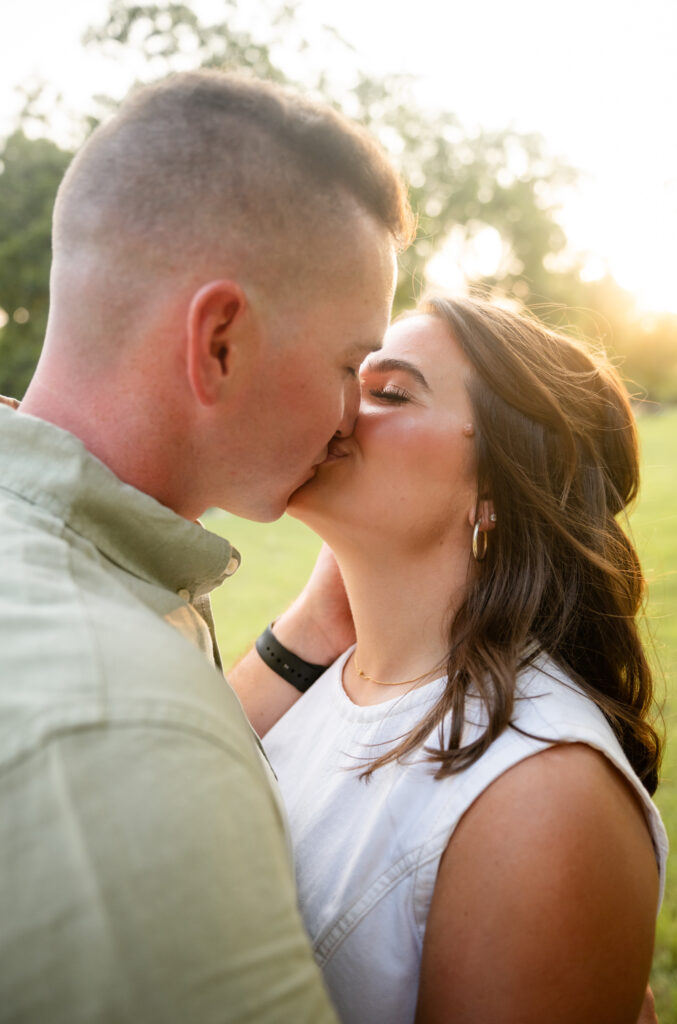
point(150, 881)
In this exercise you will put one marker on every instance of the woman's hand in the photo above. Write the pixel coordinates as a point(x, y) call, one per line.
point(319, 625)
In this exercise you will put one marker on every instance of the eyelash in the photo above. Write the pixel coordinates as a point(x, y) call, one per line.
point(390, 394)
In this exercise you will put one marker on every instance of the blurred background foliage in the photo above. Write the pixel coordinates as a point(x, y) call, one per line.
point(499, 189)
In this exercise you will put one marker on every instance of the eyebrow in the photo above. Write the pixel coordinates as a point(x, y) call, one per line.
point(386, 365)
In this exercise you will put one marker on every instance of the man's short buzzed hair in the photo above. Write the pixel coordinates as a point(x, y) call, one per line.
point(207, 168)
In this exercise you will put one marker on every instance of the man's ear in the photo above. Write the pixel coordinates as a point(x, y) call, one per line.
point(484, 512)
point(212, 314)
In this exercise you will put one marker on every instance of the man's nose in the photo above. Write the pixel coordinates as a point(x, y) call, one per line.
point(351, 405)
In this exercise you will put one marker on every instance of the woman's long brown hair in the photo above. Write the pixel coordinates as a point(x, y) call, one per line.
point(557, 453)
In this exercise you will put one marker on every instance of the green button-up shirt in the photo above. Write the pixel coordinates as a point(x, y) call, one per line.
point(144, 867)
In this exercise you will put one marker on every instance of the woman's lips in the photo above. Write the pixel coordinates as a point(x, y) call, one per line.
point(335, 451)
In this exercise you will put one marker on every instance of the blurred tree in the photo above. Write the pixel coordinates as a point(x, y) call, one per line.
point(503, 180)
point(170, 37)
point(30, 172)
point(467, 189)
point(649, 358)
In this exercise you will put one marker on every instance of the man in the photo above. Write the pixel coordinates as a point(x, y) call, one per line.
point(223, 260)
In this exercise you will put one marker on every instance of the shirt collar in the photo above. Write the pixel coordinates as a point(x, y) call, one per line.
point(51, 468)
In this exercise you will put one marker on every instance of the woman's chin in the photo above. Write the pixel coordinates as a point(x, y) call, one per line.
point(303, 500)
point(312, 504)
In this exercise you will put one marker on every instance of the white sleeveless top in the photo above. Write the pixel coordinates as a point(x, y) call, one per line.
point(367, 853)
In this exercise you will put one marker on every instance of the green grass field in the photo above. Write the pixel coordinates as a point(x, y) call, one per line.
point(277, 558)
point(655, 528)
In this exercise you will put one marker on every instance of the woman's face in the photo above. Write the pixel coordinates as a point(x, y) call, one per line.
point(408, 470)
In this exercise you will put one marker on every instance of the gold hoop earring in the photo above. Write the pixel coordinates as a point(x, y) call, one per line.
point(479, 551)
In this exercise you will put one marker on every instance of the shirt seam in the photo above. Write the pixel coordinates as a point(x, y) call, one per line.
point(328, 942)
point(120, 715)
point(101, 672)
point(439, 835)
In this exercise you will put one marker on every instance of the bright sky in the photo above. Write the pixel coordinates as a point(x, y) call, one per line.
point(597, 78)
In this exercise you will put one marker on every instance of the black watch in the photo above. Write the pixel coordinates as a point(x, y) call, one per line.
point(301, 674)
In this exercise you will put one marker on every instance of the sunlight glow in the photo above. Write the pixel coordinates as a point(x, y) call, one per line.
point(612, 125)
point(466, 256)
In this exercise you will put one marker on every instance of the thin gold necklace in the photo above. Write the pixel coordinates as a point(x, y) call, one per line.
point(403, 682)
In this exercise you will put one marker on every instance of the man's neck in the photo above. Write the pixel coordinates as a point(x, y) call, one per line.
point(142, 450)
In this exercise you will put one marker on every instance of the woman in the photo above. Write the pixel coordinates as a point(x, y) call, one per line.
point(468, 787)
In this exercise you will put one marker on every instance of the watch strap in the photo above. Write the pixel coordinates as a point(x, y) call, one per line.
point(301, 674)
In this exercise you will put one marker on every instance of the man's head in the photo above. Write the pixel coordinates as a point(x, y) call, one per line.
point(223, 249)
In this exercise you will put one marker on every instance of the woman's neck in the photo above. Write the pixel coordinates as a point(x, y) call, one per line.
point(402, 603)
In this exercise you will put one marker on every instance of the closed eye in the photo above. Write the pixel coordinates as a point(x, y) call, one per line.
point(391, 393)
